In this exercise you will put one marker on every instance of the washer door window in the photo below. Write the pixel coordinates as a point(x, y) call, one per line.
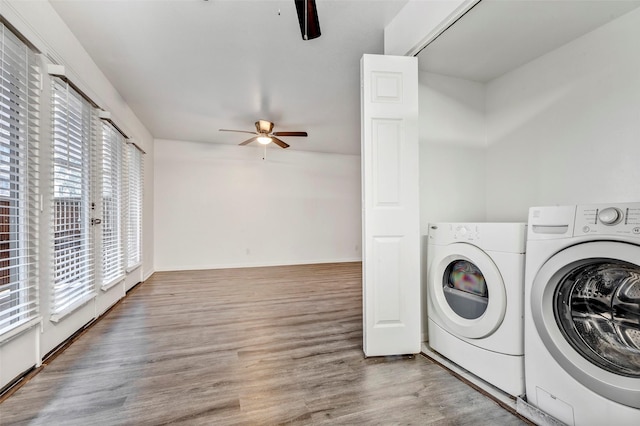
point(466, 291)
point(597, 306)
point(585, 305)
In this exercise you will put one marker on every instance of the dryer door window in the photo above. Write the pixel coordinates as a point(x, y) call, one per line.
point(465, 289)
point(597, 306)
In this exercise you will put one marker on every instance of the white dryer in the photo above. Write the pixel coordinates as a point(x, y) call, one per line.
point(582, 313)
point(475, 293)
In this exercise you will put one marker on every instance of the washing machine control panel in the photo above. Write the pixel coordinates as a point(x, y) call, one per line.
point(605, 219)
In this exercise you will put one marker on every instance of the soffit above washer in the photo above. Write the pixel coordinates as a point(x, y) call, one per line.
point(497, 36)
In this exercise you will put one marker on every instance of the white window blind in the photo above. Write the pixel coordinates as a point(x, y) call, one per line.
point(19, 113)
point(134, 201)
point(112, 206)
point(74, 130)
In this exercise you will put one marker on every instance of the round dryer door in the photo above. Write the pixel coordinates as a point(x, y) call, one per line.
point(466, 291)
point(586, 308)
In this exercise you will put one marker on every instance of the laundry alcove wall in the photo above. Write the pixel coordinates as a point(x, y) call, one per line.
point(525, 104)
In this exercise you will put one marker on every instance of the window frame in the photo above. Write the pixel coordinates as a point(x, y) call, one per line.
point(111, 202)
point(135, 193)
point(20, 88)
point(73, 127)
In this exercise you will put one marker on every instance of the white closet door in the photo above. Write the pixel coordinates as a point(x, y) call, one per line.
point(391, 228)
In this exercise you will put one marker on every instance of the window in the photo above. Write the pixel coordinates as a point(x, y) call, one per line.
point(19, 86)
point(134, 222)
point(74, 129)
point(112, 223)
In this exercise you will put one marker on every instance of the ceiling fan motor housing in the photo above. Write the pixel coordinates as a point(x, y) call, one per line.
point(264, 126)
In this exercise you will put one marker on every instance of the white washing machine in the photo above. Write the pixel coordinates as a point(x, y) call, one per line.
point(582, 313)
point(475, 294)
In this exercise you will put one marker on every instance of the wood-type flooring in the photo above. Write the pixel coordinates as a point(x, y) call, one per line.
point(251, 346)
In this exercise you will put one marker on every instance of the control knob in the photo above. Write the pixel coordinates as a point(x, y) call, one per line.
point(610, 216)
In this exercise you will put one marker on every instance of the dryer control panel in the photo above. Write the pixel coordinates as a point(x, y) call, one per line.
point(508, 237)
point(608, 219)
point(465, 232)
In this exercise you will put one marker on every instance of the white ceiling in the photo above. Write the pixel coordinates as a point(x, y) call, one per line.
point(190, 67)
point(497, 36)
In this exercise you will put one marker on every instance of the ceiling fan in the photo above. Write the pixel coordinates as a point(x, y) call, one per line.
point(264, 134)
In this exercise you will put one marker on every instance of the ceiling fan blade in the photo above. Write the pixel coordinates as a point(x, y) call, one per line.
point(308, 19)
point(237, 131)
point(281, 144)
point(289, 134)
point(248, 141)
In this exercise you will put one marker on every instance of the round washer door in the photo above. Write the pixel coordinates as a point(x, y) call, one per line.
point(585, 304)
point(466, 290)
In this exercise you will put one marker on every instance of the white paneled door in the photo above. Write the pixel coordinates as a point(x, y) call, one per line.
point(390, 202)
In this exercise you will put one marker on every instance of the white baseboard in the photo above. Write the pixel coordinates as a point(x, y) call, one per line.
point(252, 265)
point(497, 394)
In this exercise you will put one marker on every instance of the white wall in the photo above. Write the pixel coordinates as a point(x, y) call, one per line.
point(223, 206)
point(452, 150)
point(565, 128)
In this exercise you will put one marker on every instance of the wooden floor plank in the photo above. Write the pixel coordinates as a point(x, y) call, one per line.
point(252, 346)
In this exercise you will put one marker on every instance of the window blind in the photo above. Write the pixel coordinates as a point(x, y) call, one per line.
point(134, 201)
point(112, 206)
point(74, 130)
point(19, 113)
